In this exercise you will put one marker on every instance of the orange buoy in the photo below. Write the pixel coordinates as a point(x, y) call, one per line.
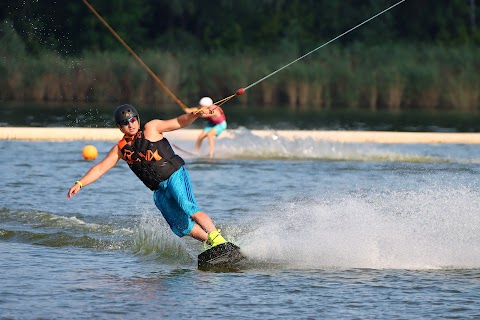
point(89, 152)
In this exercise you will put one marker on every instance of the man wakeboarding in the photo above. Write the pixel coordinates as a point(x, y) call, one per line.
point(150, 156)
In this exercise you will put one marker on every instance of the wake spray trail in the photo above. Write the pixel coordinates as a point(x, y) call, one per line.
point(431, 228)
point(153, 237)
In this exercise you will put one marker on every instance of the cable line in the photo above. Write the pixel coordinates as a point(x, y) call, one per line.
point(136, 56)
point(242, 90)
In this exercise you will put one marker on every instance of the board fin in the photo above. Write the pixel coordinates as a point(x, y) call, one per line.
point(222, 256)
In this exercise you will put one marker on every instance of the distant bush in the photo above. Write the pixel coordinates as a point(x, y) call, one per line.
point(391, 77)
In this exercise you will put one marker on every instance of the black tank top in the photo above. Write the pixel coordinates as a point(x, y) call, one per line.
point(152, 162)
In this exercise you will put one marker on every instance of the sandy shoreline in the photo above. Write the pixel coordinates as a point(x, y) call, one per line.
point(113, 134)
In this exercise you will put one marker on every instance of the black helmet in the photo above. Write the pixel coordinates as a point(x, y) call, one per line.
point(125, 112)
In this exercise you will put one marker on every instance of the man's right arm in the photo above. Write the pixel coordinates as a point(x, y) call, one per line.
point(97, 170)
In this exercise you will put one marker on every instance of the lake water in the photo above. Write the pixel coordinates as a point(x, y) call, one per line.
point(330, 231)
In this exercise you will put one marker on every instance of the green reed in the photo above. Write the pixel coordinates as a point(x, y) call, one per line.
point(391, 77)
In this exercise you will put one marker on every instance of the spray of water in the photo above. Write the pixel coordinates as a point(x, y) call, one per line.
point(154, 238)
point(244, 144)
point(431, 228)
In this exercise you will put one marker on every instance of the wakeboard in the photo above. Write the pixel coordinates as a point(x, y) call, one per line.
point(222, 256)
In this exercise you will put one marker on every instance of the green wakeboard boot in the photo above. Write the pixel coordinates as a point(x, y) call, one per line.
point(215, 238)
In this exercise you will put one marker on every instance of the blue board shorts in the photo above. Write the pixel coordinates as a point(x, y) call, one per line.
point(175, 200)
point(218, 127)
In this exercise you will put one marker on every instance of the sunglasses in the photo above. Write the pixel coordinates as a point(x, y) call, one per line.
point(124, 123)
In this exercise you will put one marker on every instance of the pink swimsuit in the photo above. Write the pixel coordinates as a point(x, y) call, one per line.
point(219, 119)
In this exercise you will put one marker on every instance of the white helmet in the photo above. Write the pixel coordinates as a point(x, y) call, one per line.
point(206, 102)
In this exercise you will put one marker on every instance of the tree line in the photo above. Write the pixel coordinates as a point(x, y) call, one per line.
point(236, 25)
point(418, 55)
